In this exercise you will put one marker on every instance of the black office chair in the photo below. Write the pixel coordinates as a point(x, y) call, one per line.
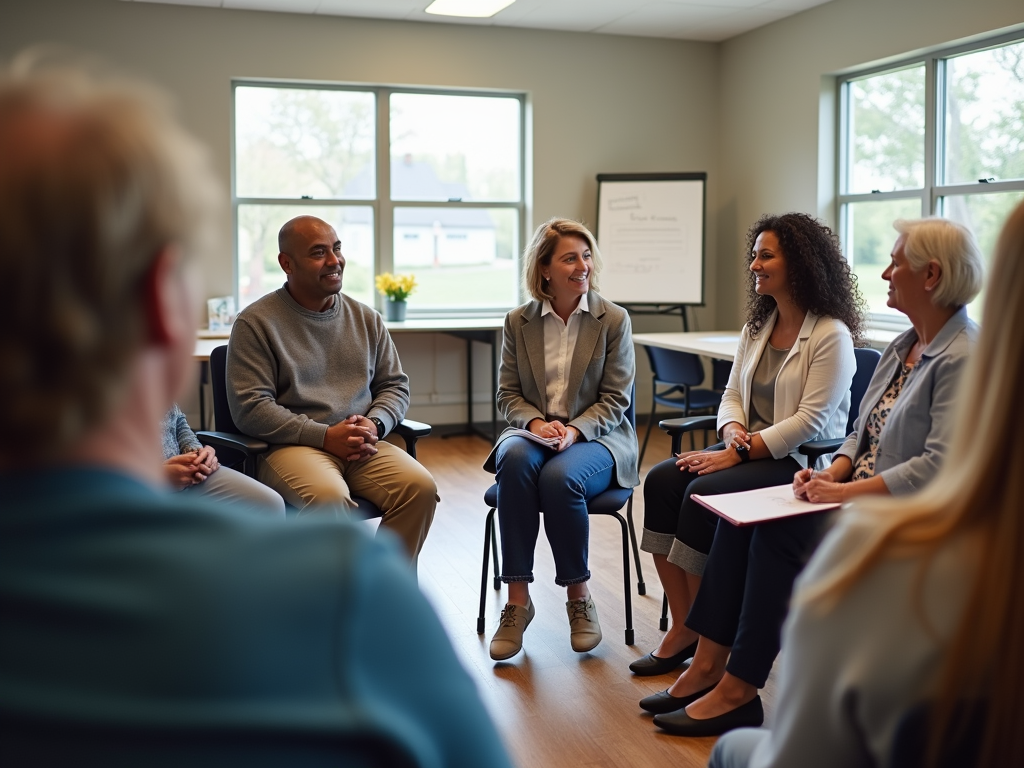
point(235, 448)
point(674, 385)
point(607, 503)
point(867, 361)
point(961, 745)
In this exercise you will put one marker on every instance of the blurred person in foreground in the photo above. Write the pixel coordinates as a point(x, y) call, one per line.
point(918, 601)
point(139, 627)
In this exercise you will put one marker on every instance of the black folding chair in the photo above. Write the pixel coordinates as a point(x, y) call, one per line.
point(607, 503)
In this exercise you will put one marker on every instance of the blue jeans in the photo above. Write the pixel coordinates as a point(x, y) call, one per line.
point(532, 479)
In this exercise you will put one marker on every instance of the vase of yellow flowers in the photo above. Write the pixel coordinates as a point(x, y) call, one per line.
point(396, 288)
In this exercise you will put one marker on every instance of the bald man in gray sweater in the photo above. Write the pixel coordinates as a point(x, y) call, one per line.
point(315, 374)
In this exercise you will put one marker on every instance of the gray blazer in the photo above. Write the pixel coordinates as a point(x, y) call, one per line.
point(916, 434)
point(600, 380)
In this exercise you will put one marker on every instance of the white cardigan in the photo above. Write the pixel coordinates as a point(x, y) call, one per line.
point(812, 390)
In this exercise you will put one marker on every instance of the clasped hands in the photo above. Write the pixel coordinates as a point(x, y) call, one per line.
point(353, 439)
point(705, 462)
point(819, 487)
point(567, 434)
point(191, 468)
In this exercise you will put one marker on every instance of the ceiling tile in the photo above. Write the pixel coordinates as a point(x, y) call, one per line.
point(285, 6)
point(712, 20)
point(578, 15)
point(375, 9)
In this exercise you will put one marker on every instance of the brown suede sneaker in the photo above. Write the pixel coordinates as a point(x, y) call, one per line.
point(585, 628)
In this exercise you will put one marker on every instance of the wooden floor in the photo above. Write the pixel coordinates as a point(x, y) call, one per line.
point(553, 706)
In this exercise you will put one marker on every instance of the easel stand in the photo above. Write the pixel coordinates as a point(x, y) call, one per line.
point(659, 309)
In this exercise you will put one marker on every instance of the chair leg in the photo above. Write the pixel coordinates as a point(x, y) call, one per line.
point(494, 551)
point(410, 446)
point(488, 536)
point(641, 587)
point(625, 579)
point(647, 434)
point(663, 624)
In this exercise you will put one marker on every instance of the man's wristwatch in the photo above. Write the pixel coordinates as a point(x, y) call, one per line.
point(379, 425)
point(743, 453)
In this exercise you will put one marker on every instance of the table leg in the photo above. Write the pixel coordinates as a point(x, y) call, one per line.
point(485, 337)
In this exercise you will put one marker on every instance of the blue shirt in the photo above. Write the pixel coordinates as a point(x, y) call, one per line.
point(121, 607)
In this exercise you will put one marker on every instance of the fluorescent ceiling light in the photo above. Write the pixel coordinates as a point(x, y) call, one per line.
point(476, 9)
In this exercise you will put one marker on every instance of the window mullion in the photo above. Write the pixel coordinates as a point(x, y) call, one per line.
point(933, 134)
point(385, 212)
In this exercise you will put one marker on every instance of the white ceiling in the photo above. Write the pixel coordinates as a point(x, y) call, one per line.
point(709, 20)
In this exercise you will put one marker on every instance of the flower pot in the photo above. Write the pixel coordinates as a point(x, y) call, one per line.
point(395, 311)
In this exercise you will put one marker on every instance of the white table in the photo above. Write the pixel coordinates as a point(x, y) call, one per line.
point(486, 330)
point(720, 345)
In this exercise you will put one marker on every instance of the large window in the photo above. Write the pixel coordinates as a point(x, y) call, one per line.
point(940, 135)
point(428, 183)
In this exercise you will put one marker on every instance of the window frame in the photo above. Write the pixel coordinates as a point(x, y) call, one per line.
point(382, 205)
point(934, 190)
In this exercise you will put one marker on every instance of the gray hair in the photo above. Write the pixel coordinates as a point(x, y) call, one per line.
point(96, 178)
point(953, 247)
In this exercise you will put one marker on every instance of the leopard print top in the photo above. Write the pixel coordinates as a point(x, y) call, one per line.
point(865, 466)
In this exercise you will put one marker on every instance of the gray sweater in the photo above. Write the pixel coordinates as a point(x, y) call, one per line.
point(292, 373)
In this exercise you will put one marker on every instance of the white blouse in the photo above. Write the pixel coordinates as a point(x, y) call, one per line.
point(559, 344)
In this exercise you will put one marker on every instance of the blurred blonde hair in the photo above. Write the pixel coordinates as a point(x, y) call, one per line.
point(542, 247)
point(979, 492)
point(96, 177)
point(953, 247)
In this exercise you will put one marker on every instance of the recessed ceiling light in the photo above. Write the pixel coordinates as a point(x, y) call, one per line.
point(477, 9)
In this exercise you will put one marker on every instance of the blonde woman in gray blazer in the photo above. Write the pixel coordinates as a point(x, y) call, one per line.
point(567, 368)
point(728, 587)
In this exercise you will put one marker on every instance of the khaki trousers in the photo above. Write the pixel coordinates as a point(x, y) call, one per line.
point(315, 481)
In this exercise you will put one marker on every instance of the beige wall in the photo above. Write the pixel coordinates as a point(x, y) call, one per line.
point(777, 110)
point(600, 104)
point(754, 112)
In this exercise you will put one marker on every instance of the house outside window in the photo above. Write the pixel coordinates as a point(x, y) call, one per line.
point(427, 182)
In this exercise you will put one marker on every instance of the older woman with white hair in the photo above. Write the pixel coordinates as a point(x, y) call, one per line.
point(897, 446)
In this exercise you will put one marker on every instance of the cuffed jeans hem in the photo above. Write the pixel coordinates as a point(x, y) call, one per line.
point(510, 579)
point(568, 582)
point(656, 543)
point(687, 558)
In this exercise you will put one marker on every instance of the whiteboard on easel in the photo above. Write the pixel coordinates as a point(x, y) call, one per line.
point(650, 229)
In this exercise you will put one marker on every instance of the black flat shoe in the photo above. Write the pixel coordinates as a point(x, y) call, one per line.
point(664, 702)
point(651, 665)
point(750, 715)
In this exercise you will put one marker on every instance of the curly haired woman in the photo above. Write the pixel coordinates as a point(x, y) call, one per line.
point(790, 383)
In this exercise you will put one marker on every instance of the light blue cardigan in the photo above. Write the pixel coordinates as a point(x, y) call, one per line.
point(916, 434)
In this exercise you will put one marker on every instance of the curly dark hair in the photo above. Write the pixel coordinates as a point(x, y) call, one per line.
point(820, 280)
